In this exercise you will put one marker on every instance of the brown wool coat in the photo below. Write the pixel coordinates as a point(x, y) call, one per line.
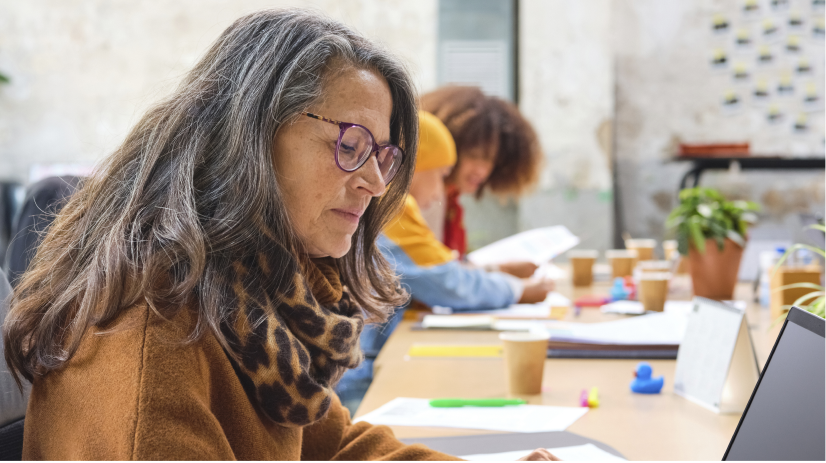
point(141, 394)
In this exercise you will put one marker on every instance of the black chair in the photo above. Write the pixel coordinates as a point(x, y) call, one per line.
point(43, 201)
point(12, 402)
point(10, 193)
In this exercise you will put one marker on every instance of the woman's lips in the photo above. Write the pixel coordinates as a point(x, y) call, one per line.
point(350, 215)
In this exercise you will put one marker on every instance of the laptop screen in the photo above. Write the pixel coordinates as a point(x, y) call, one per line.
point(786, 417)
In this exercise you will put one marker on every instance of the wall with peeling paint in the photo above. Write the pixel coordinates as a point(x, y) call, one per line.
point(666, 93)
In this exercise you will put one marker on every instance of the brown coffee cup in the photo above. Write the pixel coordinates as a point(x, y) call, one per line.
point(622, 261)
point(525, 354)
point(653, 290)
point(644, 247)
point(582, 266)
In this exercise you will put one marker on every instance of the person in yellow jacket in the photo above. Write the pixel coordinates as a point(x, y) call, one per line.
point(429, 269)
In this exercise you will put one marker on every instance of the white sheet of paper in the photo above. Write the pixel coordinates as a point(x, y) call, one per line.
point(656, 328)
point(636, 308)
point(405, 411)
point(539, 245)
point(585, 452)
point(515, 324)
point(540, 310)
point(458, 321)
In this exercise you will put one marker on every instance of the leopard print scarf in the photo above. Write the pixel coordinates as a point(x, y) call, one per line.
point(293, 348)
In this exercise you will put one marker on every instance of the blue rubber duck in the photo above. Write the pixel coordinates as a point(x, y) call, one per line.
point(618, 291)
point(644, 383)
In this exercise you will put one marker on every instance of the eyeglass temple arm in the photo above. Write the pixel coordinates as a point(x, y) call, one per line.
point(322, 118)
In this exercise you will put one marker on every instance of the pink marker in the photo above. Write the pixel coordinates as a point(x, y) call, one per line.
point(583, 398)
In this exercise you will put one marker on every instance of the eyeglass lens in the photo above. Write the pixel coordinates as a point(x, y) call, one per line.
point(357, 144)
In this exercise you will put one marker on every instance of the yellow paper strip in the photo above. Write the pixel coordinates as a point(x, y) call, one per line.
point(430, 350)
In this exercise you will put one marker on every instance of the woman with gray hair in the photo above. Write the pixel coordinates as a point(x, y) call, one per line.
point(202, 293)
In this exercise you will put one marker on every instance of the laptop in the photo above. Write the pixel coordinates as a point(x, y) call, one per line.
point(785, 418)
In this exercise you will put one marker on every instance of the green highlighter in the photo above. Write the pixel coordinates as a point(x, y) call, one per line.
point(452, 403)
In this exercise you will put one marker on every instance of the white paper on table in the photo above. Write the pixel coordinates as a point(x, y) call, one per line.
point(515, 324)
point(528, 311)
point(636, 308)
point(623, 308)
point(482, 322)
point(539, 246)
point(405, 411)
point(540, 310)
point(655, 328)
point(585, 452)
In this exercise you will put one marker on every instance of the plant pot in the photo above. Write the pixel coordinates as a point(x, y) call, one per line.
point(714, 274)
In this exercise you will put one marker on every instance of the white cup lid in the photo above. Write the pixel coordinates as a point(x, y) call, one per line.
point(640, 243)
point(620, 253)
point(655, 276)
point(586, 253)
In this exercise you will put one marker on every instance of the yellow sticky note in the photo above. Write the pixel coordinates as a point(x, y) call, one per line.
point(454, 350)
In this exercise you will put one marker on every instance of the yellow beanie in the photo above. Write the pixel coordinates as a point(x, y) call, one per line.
point(436, 145)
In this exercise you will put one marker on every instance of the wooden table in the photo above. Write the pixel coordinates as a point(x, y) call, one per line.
point(642, 427)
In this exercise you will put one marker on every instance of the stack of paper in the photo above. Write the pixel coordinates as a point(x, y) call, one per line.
point(514, 418)
point(654, 330)
point(538, 246)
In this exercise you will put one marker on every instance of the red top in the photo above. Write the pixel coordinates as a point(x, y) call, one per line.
point(455, 236)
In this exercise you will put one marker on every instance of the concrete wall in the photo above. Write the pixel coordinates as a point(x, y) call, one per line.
point(611, 87)
point(83, 71)
point(666, 93)
point(566, 79)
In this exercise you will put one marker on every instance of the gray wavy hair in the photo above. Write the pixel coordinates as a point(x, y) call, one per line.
point(192, 189)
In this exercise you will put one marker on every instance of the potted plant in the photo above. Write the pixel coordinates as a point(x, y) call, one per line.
point(711, 231)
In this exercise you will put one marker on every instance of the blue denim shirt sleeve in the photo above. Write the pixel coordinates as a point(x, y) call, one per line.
point(451, 284)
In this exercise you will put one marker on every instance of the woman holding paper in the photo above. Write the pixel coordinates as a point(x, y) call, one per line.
point(497, 152)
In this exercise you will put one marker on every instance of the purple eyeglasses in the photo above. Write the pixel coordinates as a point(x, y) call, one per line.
point(356, 144)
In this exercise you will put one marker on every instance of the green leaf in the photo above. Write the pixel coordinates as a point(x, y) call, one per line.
point(818, 226)
point(807, 297)
point(697, 237)
point(4, 79)
point(813, 286)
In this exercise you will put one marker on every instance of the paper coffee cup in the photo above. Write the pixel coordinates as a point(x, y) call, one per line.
point(582, 266)
point(672, 254)
point(524, 360)
point(653, 290)
point(670, 249)
point(622, 261)
point(644, 247)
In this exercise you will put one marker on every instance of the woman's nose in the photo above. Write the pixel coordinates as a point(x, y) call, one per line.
point(372, 178)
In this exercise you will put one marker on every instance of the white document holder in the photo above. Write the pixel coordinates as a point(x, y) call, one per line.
point(716, 364)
